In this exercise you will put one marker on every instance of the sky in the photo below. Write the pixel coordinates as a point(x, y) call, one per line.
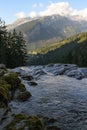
point(11, 10)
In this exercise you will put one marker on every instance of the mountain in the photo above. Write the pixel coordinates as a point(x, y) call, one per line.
point(41, 31)
point(72, 50)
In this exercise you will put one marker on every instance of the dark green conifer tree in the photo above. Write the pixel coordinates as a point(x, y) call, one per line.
point(16, 49)
point(3, 42)
point(12, 47)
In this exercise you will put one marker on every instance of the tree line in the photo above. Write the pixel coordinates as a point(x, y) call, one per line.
point(12, 47)
point(74, 51)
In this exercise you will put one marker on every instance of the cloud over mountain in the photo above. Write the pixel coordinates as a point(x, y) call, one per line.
point(60, 8)
point(32, 14)
point(20, 15)
point(64, 9)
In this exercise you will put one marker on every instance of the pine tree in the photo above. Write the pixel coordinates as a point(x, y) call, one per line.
point(12, 47)
point(21, 49)
point(3, 42)
point(16, 49)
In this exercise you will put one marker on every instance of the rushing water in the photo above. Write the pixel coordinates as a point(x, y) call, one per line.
point(59, 97)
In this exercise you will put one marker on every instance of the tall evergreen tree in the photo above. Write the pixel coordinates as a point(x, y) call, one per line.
point(16, 49)
point(12, 47)
point(3, 42)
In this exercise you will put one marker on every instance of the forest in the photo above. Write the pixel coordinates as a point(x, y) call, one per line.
point(73, 50)
point(12, 47)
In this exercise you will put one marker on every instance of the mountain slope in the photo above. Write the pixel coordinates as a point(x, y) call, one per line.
point(71, 50)
point(41, 31)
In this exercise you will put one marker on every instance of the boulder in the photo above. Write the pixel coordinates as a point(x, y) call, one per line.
point(23, 96)
point(2, 66)
point(53, 128)
point(28, 77)
point(77, 73)
point(22, 122)
point(32, 83)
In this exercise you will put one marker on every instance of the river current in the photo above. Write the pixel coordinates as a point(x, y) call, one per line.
point(59, 97)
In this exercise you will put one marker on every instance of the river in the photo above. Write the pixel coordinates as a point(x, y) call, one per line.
point(56, 96)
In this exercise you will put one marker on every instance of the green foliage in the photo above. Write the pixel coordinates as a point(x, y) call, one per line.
point(12, 47)
point(3, 42)
point(16, 50)
point(71, 50)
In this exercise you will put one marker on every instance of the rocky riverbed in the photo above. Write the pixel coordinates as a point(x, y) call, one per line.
point(59, 96)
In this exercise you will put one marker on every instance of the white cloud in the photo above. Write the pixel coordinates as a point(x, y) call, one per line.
point(60, 8)
point(32, 14)
point(20, 15)
point(34, 5)
point(41, 5)
point(64, 9)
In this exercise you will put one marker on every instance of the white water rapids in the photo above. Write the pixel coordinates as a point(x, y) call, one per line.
point(56, 96)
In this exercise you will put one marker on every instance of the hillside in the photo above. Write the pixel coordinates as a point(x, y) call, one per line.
point(71, 50)
point(42, 31)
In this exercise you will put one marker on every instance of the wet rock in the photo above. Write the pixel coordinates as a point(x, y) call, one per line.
point(53, 128)
point(23, 96)
point(28, 77)
point(22, 122)
point(1, 72)
point(2, 66)
point(38, 72)
point(22, 87)
point(4, 93)
point(70, 70)
point(52, 120)
point(60, 69)
point(78, 74)
point(84, 71)
point(10, 88)
point(50, 65)
point(33, 83)
point(3, 69)
point(22, 71)
point(48, 121)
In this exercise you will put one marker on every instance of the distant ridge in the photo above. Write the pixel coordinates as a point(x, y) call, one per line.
point(41, 31)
